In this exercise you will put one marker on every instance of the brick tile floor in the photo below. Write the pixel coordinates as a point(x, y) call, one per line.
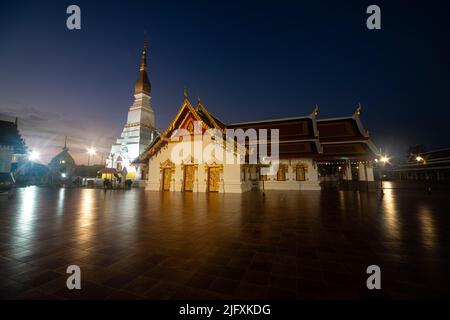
point(286, 245)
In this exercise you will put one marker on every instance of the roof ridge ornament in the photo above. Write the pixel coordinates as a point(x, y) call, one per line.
point(185, 93)
point(315, 110)
point(358, 110)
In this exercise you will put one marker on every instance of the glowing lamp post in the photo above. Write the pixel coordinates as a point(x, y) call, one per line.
point(33, 156)
point(384, 159)
point(90, 152)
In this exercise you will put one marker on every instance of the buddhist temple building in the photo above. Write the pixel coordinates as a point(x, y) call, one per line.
point(308, 151)
point(62, 167)
point(12, 146)
point(430, 166)
point(139, 130)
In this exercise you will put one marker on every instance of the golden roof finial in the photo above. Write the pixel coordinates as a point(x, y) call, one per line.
point(185, 93)
point(358, 109)
point(144, 54)
point(315, 110)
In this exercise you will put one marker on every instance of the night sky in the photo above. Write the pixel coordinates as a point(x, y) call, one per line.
point(247, 60)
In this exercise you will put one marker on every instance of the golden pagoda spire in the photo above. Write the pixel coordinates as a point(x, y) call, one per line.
point(143, 66)
point(142, 84)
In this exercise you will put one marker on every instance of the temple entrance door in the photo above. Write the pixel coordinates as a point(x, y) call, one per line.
point(189, 171)
point(167, 176)
point(213, 179)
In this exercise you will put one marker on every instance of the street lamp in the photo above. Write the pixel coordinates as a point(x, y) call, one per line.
point(33, 156)
point(90, 152)
point(384, 159)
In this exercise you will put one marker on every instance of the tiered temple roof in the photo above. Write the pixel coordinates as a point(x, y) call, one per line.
point(299, 137)
point(10, 137)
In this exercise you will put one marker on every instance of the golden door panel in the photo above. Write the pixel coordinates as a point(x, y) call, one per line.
point(167, 176)
point(300, 174)
point(189, 176)
point(213, 179)
point(281, 174)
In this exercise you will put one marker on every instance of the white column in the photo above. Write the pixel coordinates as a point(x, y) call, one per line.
point(348, 171)
point(369, 172)
point(361, 172)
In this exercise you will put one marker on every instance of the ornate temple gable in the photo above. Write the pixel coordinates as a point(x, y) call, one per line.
point(186, 115)
point(208, 118)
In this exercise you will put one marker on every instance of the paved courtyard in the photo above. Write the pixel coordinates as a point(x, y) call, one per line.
point(287, 245)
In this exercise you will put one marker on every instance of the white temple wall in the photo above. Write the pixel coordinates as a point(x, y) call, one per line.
point(232, 177)
point(311, 181)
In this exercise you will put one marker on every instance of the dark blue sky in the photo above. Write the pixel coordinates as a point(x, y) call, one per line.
point(247, 60)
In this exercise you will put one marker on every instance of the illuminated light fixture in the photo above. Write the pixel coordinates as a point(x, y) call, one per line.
point(33, 156)
point(384, 159)
point(63, 175)
point(91, 151)
point(419, 159)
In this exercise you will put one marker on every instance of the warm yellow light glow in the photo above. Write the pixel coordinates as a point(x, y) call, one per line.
point(33, 156)
point(419, 159)
point(91, 151)
point(384, 159)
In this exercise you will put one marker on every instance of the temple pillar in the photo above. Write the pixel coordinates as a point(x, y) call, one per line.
point(361, 171)
point(366, 176)
point(371, 185)
point(362, 178)
point(347, 177)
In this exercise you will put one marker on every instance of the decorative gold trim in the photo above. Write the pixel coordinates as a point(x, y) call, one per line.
point(167, 164)
point(164, 136)
point(190, 162)
point(214, 165)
